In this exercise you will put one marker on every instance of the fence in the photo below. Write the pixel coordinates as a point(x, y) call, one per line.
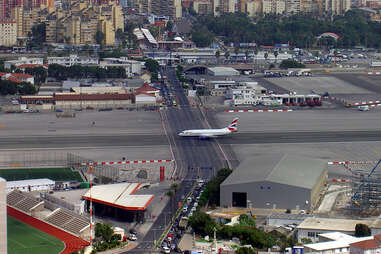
point(33, 159)
point(102, 172)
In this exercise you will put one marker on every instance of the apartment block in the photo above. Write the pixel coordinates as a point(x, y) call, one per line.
point(8, 32)
point(254, 8)
point(293, 7)
point(274, 6)
point(202, 7)
point(337, 7)
point(223, 6)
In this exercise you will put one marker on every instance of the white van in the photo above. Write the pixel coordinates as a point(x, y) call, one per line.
point(364, 108)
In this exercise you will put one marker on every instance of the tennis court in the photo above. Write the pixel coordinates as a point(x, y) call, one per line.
point(55, 174)
point(24, 239)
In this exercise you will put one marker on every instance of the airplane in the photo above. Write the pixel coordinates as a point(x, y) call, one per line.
point(211, 133)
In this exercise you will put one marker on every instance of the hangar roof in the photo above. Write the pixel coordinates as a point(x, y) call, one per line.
point(280, 168)
point(120, 195)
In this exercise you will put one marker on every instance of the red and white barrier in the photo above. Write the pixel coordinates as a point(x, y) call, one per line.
point(257, 110)
point(338, 180)
point(350, 162)
point(364, 103)
point(99, 163)
point(373, 73)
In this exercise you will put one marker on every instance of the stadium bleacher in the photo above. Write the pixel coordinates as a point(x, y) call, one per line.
point(21, 201)
point(67, 221)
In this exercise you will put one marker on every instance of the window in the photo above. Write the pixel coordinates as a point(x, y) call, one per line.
point(262, 187)
point(311, 234)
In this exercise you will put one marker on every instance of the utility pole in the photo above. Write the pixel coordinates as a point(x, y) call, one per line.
point(91, 205)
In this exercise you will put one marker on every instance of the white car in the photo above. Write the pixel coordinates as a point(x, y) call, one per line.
point(166, 250)
point(132, 237)
point(190, 214)
point(185, 209)
point(195, 204)
point(193, 209)
point(189, 199)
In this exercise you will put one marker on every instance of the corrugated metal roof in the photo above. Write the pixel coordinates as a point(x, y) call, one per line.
point(281, 168)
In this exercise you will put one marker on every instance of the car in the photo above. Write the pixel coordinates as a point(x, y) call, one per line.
point(185, 209)
point(195, 204)
point(190, 214)
point(132, 237)
point(59, 110)
point(189, 199)
point(193, 209)
point(166, 250)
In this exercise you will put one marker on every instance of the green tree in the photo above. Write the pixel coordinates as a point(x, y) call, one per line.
point(104, 231)
point(276, 53)
point(40, 74)
point(306, 240)
point(266, 56)
point(246, 220)
point(217, 54)
point(362, 230)
point(211, 192)
point(155, 31)
point(99, 37)
point(152, 65)
point(169, 26)
point(246, 250)
point(290, 63)
point(202, 224)
point(227, 55)
point(202, 37)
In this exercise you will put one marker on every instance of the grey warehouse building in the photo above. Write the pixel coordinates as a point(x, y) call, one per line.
point(275, 181)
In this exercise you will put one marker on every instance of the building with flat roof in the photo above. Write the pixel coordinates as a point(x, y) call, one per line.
point(23, 60)
point(313, 227)
point(119, 201)
point(222, 71)
point(31, 185)
point(262, 180)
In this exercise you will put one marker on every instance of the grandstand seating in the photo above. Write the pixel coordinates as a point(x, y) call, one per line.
point(67, 221)
point(21, 201)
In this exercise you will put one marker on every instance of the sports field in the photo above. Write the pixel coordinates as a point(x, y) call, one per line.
point(24, 239)
point(55, 174)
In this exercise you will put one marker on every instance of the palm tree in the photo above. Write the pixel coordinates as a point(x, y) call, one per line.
point(246, 54)
point(218, 55)
point(227, 55)
point(266, 56)
point(171, 196)
point(276, 55)
point(255, 54)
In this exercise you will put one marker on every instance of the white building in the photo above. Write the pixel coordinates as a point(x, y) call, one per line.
point(31, 185)
point(312, 227)
point(248, 93)
point(334, 242)
point(23, 60)
point(8, 32)
point(222, 71)
point(73, 60)
point(132, 67)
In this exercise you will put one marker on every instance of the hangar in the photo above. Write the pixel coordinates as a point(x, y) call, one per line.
point(118, 201)
point(275, 180)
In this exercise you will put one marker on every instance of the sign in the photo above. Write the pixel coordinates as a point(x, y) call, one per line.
point(162, 174)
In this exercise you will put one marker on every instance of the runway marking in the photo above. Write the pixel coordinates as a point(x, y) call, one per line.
point(72, 148)
point(257, 110)
point(121, 162)
point(350, 162)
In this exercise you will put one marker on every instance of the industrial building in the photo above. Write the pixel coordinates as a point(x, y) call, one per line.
point(262, 180)
point(222, 71)
point(31, 185)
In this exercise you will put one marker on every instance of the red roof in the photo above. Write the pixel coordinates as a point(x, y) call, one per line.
point(366, 244)
point(23, 66)
point(377, 237)
point(13, 79)
point(21, 75)
point(91, 97)
point(267, 47)
point(150, 94)
point(145, 88)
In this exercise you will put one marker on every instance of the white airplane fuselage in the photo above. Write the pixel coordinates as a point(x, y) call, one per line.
point(205, 132)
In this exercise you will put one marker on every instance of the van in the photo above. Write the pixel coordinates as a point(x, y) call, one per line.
point(364, 108)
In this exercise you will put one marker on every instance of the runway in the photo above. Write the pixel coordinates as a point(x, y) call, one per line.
point(45, 142)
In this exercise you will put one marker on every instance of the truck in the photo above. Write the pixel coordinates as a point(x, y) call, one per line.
point(363, 108)
point(183, 222)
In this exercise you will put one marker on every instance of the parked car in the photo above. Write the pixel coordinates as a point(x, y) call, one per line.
point(132, 237)
point(166, 250)
point(185, 209)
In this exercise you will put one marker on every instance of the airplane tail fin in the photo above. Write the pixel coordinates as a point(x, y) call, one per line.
point(233, 125)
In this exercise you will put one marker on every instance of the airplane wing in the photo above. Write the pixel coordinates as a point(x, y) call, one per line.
point(204, 136)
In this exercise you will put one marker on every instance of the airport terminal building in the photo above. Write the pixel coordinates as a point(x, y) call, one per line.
point(275, 180)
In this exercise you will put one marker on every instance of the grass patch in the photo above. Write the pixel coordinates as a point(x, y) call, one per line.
point(55, 174)
point(23, 238)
